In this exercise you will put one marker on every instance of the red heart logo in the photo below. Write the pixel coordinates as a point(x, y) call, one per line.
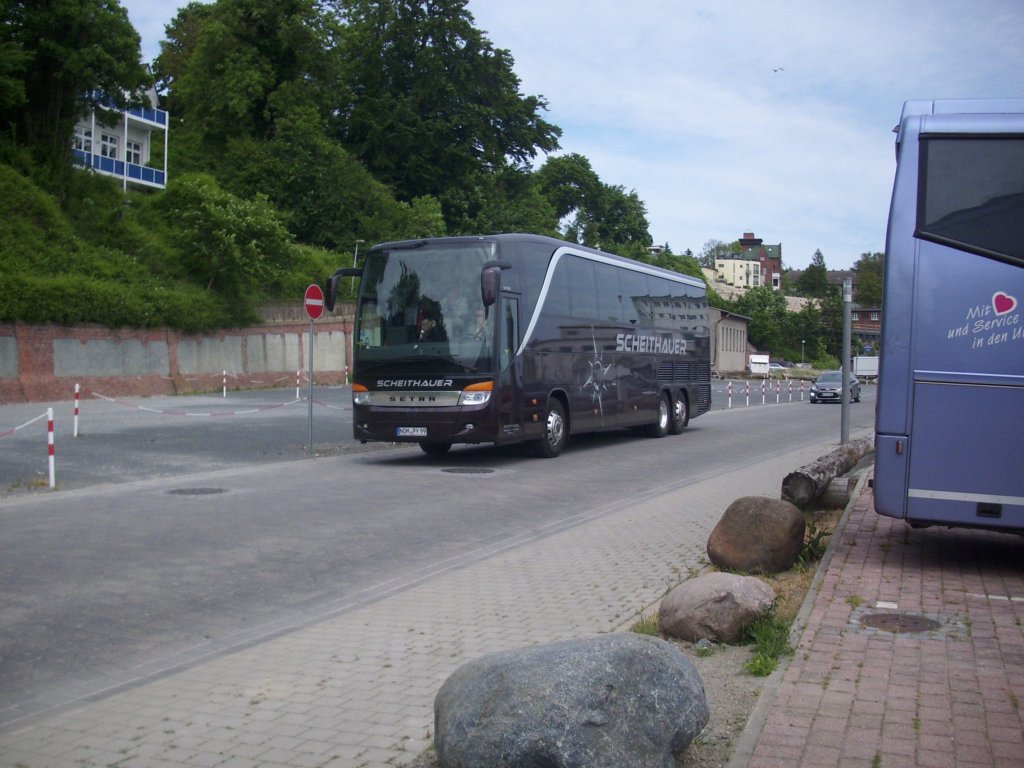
point(1003, 303)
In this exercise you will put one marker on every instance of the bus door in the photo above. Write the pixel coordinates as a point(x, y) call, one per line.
point(510, 368)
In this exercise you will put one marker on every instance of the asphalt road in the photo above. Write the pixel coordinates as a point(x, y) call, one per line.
point(127, 439)
point(115, 583)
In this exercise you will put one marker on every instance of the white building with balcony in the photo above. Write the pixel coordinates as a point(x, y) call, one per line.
point(125, 149)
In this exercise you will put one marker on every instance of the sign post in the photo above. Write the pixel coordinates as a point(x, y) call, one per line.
point(314, 303)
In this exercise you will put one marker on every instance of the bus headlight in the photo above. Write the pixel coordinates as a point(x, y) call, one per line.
point(477, 394)
point(360, 395)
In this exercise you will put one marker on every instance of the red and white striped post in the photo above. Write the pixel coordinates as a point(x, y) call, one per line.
point(75, 429)
point(791, 391)
point(762, 391)
point(801, 390)
point(778, 391)
point(297, 375)
point(748, 393)
point(728, 388)
point(224, 384)
point(49, 442)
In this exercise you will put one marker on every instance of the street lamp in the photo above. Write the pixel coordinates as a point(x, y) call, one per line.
point(352, 282)
point(802, 342)
point(355, 256)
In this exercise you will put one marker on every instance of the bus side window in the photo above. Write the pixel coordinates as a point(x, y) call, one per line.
point(634, 297)
point(509, 331)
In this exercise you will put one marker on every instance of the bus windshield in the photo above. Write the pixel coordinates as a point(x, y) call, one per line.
point(420, 308)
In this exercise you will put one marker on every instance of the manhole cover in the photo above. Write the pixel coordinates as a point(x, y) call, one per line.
point(468, 470)
point(899, 622)
point(196, 491)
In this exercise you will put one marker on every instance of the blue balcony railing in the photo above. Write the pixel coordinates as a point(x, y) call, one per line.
point(156, 116)
point(131, 171)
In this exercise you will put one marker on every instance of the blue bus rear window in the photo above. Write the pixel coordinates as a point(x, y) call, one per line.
point(972, 194)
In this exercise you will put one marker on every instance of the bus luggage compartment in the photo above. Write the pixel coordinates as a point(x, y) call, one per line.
point(968, 477)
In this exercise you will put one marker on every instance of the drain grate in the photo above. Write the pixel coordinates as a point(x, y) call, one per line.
point(468, 470)
point(899, 622)
point(196, 491)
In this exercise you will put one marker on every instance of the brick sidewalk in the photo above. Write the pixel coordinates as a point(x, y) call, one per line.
point(946, 694)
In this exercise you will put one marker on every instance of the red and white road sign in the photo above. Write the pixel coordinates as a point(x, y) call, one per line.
point(314, 301)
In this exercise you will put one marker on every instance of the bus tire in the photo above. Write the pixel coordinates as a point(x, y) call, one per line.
point(435, 449)
point(661, 426)
point(556, 432)
point(680, 415)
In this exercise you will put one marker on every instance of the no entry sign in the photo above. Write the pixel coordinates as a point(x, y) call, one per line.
point(314, 301)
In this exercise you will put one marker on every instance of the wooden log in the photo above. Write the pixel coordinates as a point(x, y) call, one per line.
point(808, 483)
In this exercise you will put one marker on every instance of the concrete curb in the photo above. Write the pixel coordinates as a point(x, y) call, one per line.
point(745, 744)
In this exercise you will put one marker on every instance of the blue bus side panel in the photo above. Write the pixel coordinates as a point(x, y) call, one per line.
point(968, 315)
point(975, 476)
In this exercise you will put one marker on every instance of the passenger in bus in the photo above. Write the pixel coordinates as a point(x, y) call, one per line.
point(430, 322)
point(480, 325)
point(431, 331)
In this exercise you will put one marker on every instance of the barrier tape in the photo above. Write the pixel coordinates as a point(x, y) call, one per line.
point(168, 412)
point(49, 440)
point(9, 432)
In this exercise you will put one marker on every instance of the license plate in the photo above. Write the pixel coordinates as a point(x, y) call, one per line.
point(411, 432)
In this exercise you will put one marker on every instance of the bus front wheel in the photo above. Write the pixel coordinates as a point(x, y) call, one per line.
point(555, 431)
point(661, 426)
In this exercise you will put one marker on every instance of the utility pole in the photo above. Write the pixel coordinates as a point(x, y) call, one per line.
point(844, 428)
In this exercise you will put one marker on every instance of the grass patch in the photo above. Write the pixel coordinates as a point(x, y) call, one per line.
point(770, 637)
point(646, 625)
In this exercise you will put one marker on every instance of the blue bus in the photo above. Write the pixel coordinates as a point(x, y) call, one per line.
point(518, 338)
point(949, 426)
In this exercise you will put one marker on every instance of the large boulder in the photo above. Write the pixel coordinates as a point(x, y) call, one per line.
point(716, 606)
point(613, 701)
point(757, 535)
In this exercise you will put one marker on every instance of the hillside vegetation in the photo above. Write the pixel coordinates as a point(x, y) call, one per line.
point(119, 260)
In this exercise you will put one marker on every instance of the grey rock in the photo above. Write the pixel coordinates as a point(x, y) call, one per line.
point(758, 535)
point(613, 701)
point(716, 606)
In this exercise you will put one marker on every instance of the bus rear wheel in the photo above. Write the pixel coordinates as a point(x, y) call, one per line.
point(555, 431)
point(435, 449)
point(661, 426)
point(680, 415)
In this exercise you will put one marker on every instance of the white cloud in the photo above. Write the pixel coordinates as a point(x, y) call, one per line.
point(678, 100)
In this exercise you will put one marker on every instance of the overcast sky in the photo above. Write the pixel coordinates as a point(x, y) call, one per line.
point(733, 116)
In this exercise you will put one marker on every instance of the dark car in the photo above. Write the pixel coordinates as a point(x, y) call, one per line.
point(829, 388)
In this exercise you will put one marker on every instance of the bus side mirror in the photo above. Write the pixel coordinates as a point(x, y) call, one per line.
point(490, 281)
point(331, 294)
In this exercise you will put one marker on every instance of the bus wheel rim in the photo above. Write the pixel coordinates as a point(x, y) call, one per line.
point(556, 428)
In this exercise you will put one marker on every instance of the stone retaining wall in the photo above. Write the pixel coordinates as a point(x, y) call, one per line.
point(44, 362)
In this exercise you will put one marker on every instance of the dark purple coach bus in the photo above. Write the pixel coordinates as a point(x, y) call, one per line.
point(520, 338)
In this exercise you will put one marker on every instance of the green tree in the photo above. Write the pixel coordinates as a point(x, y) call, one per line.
point(766, 309)
point(58, 60)
point(591, 212)
point(234, 246)
point(813, 283)
point(569, 183)
point(716, 249)
point(831, 336)
point(434, 102)
point(507, 200)
point(236, 68)
point(869, 269)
